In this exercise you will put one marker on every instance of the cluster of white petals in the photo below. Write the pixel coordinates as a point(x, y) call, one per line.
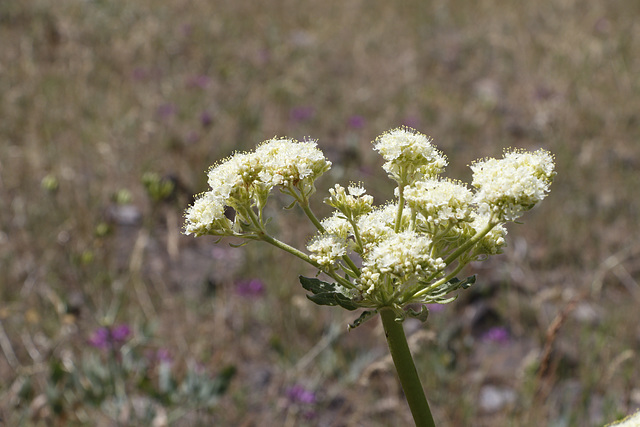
point(492, 242)
point(234, 178)
point(287, 162)
point(353, 202)
point(410, 248)
point(409, 155)
point(206, 215)
point(244, 180)
point(327, 249)
point(510, 186)
point(400, 258)
point(337, 224)
point(441, 202)
point(378, 224)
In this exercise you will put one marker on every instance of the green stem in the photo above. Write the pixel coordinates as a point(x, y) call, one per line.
point(400, 207)
point(293, 251)
point(439, 282)
point(304, 204)
point(475, 239)
point(406, 369)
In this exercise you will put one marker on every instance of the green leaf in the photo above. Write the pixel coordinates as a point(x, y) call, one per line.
point(420, 315)
point(326, 294)
point(452, 285)
point(366, 315)
point(466, 283)
point(456, 283)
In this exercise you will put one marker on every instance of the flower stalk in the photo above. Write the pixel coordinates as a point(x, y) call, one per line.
point(406, 368)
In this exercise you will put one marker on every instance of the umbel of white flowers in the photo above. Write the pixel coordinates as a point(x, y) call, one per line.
point(410, 247)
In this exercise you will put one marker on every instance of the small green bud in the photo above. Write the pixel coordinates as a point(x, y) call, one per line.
point(102, 229)
point(158, 188)
point(50, 183)
point(122, 197)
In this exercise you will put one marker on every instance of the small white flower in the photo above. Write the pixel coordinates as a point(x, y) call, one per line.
point(353, 204)
point(289, 162)
point(493, 242)
point(356, 190)
point(327, 249)
point(206, 216)
point(378, 224)
point(337, 224)
point(403, 258)
point(409, 155)
point(441, 202)
point(512, 185)
point(235, 178)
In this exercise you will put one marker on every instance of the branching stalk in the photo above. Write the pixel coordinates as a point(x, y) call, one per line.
point(400, 207)
point(298, 253)
point(475, 239)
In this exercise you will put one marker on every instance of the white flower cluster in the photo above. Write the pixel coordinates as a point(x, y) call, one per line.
point(441, 202)
point(490, 244)
point(443, 219)
point(402, 259)
point(512, 185)
point(410, 248)
point(338, 225)
point(353, 202)
point(206, 216)
point(409, 155)
point(379, 224)
point(288, 162)
point(244, 180)
point(327, 249)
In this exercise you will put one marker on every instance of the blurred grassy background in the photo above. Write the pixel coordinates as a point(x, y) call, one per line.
point(97, 93)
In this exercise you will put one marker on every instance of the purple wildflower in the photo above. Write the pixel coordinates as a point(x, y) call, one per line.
point(198, 82)
point(139, 74)
point(302, 114)
point(163, 356)
point(498, 334)
point(106, 337)
point(165, 111)
point(120, 333)
point(206, 119)
point(435, 308)
point(356, 122)
point(299, 394)
point(250, 288)
point(100, 338)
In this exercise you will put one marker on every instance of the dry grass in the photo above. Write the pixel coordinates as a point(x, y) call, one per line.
point(96, 93)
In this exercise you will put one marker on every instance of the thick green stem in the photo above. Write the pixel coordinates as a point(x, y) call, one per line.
point(406, 369)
